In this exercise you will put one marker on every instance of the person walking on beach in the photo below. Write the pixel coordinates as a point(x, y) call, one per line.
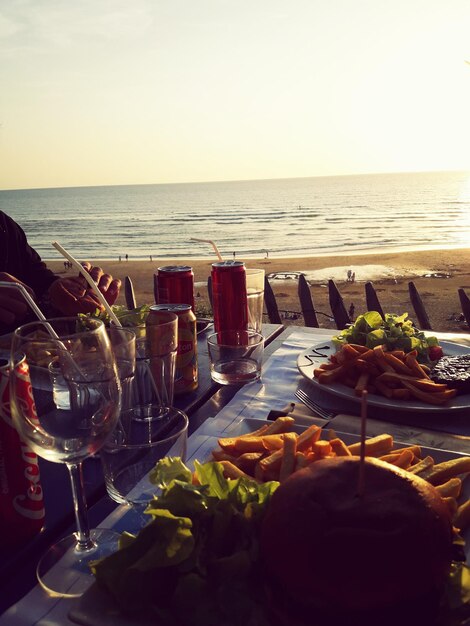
point(127, 257)
point(120, 258)
point(20, 263)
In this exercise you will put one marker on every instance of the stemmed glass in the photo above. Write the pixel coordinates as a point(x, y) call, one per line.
point(65, 400)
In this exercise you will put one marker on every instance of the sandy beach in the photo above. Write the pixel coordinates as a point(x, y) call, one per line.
point(436, 273)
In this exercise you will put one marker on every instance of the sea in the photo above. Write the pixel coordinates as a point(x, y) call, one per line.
point(291, 217)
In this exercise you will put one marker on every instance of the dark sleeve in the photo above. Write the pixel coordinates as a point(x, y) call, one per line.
point(19, 259)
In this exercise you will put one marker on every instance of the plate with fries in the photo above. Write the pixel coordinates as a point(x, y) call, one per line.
point(274, 450)
point(393, 380)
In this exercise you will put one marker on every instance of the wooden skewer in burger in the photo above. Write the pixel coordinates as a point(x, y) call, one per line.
point(353, 540)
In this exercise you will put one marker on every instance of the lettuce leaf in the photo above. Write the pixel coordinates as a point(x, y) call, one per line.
point(201, 543)
point(397, 332)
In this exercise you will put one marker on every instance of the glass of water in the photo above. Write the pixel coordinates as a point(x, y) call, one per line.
point(65, 401)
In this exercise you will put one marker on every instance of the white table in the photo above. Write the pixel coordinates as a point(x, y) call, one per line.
point(279, 382)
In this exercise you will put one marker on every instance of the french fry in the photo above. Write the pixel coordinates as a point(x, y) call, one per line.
point(248, 461)
point(402, 458)
point(308, 437)
point(375, 446)
point(288, 457)
point(227, 442)
point(397, 364)
point(272, 461)
point(450, 489)
point(394, 374)
point(401, 394)
point(384, 389)
point(382, 363)
point(301, 461)
point(361, 384)
point(452, 506)
point(276, 453)
point(339, 447)
point(462, 516)
point(417, 369)
point(258, 444)
point(440, 397)
point(425, 384)
point(415, 449)
point(232, 471)
point(281, 425)
point(441, 472)
point(321, 448)
point(422, 466)
point(221, 455)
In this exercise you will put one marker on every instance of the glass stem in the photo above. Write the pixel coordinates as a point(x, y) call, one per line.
point(84, 541)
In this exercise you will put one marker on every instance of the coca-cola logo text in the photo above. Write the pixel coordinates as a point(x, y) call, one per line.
point(30, 504)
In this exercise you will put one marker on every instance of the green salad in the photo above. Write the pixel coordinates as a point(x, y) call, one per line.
point(397, 332)
point(196, 561)
point(136, 317)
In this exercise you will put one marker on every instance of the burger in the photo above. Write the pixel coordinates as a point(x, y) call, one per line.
point(331, 556)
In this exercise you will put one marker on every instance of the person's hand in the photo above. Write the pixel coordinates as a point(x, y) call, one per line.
point(13, 306)
point(73, 295)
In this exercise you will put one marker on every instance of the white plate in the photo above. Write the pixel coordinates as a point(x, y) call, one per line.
point(310, 359)
point(97, 608)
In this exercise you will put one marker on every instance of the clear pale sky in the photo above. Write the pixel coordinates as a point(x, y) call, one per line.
point(97, 92)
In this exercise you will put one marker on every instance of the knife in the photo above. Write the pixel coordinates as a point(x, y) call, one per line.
point(129, 294)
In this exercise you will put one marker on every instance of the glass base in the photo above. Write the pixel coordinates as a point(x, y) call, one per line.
point(145, 413)
point(64, 570)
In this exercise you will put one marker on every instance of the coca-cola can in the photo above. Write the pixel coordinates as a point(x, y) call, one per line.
point(229, 296)
point(21, 498)
point(186, 374)
point(174, 284)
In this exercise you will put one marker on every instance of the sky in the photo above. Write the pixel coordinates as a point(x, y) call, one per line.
point(102, 92)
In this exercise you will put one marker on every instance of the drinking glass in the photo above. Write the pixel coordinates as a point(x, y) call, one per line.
point(255, 293)
point(133, 450)
point(156, 349)
point(235, 356)
point(65, 400)
point(123, 344)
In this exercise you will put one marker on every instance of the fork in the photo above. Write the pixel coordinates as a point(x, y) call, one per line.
point(313, 406)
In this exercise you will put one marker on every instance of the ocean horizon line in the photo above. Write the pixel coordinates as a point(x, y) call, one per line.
point(234, 180)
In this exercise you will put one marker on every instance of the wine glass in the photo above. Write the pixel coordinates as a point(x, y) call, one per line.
point(65, 400)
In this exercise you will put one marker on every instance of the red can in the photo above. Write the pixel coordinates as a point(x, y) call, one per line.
point(21, 499)
point(229, 296)
point(186, 374)
point(174, 284)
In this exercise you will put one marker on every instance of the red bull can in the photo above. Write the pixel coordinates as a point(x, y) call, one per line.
point(229, 296)
point(174, 284)
point(22, 512)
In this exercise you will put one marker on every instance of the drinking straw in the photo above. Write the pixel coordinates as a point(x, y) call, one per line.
point(219, 256)
point(40, 315)
point(89, 280)
point(19, 287)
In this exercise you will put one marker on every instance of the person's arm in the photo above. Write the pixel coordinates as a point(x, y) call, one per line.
point(20, 260)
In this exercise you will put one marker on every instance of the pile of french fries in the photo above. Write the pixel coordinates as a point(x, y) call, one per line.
point(393, 374)
point(275, 451)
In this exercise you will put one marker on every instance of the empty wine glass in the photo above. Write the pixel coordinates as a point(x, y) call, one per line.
point(65, 397)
